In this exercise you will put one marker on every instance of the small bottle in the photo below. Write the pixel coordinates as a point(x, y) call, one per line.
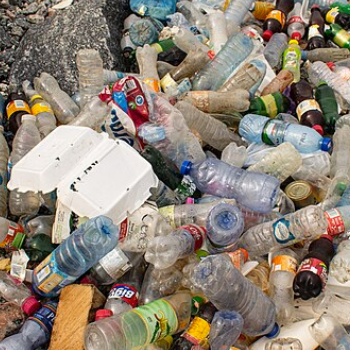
point(126, 44)
point(4, 156)
point(269, 105)
point(292, 58)
point(311, 277)
point(16, 107)
point(282, 80)
point(11, 235)
point(338, 35)
point(296, 25)
point(274, 49)
point(316, 29)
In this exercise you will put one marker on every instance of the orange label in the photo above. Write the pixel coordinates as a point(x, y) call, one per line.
point(238, 258)
point(15, 106)
point(277, 15)
point(154, 84)
point(284, 263)
point(40, 108)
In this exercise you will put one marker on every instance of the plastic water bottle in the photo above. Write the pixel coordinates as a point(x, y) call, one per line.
point(217, 31)
point(63, 106)
point(228, 289)
point(141, 326)
point(225, 224)
point(306, 223)
point(215, 73)
point(35, 332)
point(186, 41)
point(163, 252)
point(153, 8)
point(296, 25)
point(274, 49)
point(255, 191)
point(26, 138)
point(236, 11)
point(4, 155)
point(77, 254)
point(234, 155)
point(192, 14)
point(259, 129)
point(339, 268)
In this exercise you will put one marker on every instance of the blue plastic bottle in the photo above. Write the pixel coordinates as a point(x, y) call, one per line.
point(259, 129)
point(154, 8)
point(216, 72)
point(35, 332)
point(77, 254)
point(225, 224)
point(253, 190)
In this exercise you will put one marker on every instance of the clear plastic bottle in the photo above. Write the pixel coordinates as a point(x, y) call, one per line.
point(343, 72)
point(186, 41)
point(234, 155)
point(327, 54)
point(90, 71)
point(214, 74)
point(255, 191)
point(225, 224)
point(35, 332)
point(306, 223)
point(39, 224)
point(281, 162)
point(284, 344)
point(236, 11)
point(296, 25)
point(163, 252)
point(163, 195)
point(92, 114)
point(63, 106)
point(18, 293)
point(212, 131)
point(228, 289)
point(259, 129)
point(26, 138)
point(141, 326)
point(4, 156)
point(192, 14)
point(45, 119)
point(274, 49)
point(78, 253)
point(340, 264)
point(217, 31)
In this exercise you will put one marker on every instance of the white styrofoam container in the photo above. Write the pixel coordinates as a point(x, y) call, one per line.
point(93, 174)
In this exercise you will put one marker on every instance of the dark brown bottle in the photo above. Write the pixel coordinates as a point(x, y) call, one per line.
point(16, 106)
point(333, 16)
point(316, 29)
point(276, 20)
point(309, 111)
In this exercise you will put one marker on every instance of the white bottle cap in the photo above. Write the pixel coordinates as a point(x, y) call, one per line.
point(28, 117)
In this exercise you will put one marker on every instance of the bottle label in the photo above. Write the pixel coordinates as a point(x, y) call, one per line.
point(277, 15)
point(186, 188)
point(314, 32)
point(342, 38)
point(284, 263)
point(168, 84)
point(14, 230)
point(49, 277)
point(237, 258)
point(41, 107)
point(281, 231)
point(270, 105)
point(15, 106)
point(295, 19)
point(290, 60)
point(336, 224)
point(154, 84)
point(168, 212)
point(126, 293)
point(159, 317)
point(332, 14)
point(114, 262)
point(19, 262)
point(307, 105)
point(317, 267)
point(197, 232)
point(197, 331)
point(45, 317)
point(273, 133)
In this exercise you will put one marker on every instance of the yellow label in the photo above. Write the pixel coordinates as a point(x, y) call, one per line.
point(307, 105)
point(284, 263)
point(35, 97)
point(154, 84)
point(227, 2)
point(168, 83)
point(15, 106)
point(168, 213)
point(342, 38)
point(270, 105)
point(277, 15)
point(40, 108)
point(332, 14)
point(52, 281)
point(197, 331)
point(262, 9)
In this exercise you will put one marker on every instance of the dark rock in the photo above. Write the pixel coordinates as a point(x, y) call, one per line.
point(17, 31)
point(36, 19)
point(4, 4)
point(22, 22)
point(4, 39)
point(52, 46)
point(32, 8)
point(18, 3)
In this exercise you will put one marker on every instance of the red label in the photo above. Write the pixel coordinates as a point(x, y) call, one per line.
point(123, 230)
point(317, 267)
point(198, 233)
point(126, 293)
point(335, 222)
point(295, 19)
point(13, 230)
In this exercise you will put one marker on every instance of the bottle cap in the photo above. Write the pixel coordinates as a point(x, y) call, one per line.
point(296, 36)
point(30, 306)
point(18, 240)
point(293, 41)
point(103, 313)
point(319, 129)
point(267, 35)
point(275, 331)
point(326, 144)
point(190, 200)
point(315, 6)
point(28, 117)
point(330, 65)
point(327, 236)
point(186, 167)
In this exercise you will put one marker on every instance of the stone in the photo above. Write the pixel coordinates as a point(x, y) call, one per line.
point(32, 8)
point(17, 31)
point(52, 46)
point(4, 39)
point(36, 18)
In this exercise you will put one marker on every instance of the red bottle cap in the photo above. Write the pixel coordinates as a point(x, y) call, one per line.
point(328, 237)
point(319, 129)
point(296, 36)
point(330, 65)
point(267, 35)
point(30, 306)
point(103, 313)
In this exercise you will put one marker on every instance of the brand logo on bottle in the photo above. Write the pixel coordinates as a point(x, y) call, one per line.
point(281, 231)
point(124, 292)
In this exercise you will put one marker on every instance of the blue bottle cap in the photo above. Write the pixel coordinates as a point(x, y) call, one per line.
point(274, 333)
point(186, 167)
point(326, 144)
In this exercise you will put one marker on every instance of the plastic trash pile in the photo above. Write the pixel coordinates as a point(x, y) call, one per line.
point(200, 202)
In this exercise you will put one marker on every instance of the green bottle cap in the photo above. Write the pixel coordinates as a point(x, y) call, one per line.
point(18, 240)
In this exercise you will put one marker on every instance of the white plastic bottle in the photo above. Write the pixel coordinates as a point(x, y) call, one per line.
point(90, 70)
point(26, 138)
point(4, 155)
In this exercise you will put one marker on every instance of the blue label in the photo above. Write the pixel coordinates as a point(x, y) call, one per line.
point(45, 317)
point(120, 99)
point(281, 231)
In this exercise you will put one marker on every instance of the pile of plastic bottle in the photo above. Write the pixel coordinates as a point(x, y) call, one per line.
point(240, 108)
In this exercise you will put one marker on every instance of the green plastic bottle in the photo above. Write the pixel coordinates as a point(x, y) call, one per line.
point(39, 247)
point(338, 35)
point(292, 58)
point(343, 8)
point(269, 105)
point(326, 99)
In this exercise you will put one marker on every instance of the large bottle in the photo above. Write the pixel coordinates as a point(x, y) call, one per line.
point(26, 138)
point(306, 223)
point(291, 59)
point(16, 107)
point(311, 277)
point(328, 54)
point(259, 129)
point(186, 41)
point(4, 155)
point(228, 289)
point(141, 326)
point(79, 252)
point(269, 105)
point(215, 73)
point(256, 191)
point(316, 29)
point(35, 332)
point(217, 31)
point(235, 13)
point(274, 49)
point(296, 25)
